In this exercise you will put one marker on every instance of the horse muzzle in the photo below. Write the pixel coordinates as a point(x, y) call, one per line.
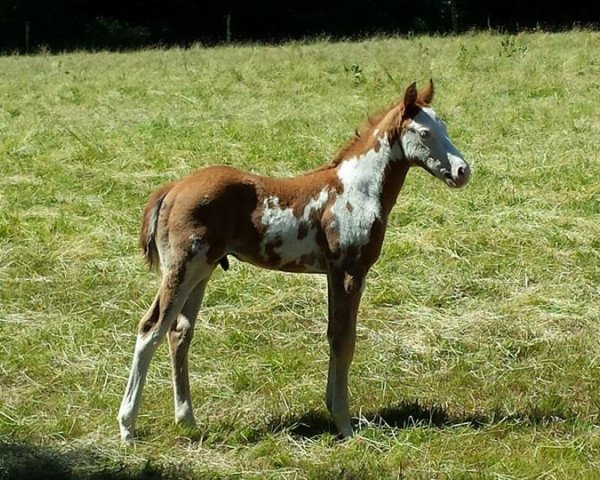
point(459, 173)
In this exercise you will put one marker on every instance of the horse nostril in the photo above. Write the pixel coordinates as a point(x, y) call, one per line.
point(461, 171)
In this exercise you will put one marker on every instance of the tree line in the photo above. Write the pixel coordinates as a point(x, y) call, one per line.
point(28, 25)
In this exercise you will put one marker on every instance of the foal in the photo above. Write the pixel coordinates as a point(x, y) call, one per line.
point(331, 220)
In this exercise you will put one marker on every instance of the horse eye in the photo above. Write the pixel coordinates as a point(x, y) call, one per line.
point(425, 133)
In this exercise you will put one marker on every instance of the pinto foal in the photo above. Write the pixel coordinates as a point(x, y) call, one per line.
point(331, 220)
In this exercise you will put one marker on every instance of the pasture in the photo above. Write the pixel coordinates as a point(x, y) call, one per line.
point(478, 352)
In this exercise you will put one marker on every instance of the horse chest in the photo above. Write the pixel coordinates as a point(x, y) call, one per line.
point(353, 216)
point(358, 205)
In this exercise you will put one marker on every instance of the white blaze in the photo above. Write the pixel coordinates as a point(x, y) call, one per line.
point(427, 141)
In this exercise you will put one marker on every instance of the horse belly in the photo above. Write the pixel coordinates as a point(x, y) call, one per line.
point(285, 251)
point(308, 263)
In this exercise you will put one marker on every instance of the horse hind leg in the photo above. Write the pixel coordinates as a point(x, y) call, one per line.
point(150, 332)
point(180, 335)
point(178, 283)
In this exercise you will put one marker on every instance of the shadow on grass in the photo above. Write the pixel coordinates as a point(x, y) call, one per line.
point(411, 414)
point(19, 461)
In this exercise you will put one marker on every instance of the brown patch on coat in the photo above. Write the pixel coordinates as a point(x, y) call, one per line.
point(331, 234)
point(306, 263)
point(272, 256)
point(302, 230)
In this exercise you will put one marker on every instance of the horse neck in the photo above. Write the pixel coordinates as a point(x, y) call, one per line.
point(377, 174)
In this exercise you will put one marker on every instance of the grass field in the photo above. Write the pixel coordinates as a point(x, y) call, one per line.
point(479, 338)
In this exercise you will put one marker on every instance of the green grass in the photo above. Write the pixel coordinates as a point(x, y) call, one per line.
point(479, 339)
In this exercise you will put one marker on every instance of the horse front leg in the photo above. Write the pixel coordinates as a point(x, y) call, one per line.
point(345, 286)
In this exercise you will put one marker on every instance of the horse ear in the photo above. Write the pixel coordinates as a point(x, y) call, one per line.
point(426, 95)
point(410, 95)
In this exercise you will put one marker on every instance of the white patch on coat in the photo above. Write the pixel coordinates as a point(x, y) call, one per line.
point(359, 205)
point(283, 228)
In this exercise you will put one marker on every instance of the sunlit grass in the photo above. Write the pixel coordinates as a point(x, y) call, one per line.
point(479, 330)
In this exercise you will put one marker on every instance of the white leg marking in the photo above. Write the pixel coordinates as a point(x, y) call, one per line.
point(145, 346)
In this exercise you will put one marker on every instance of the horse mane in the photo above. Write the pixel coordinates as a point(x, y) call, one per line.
point(363, 140)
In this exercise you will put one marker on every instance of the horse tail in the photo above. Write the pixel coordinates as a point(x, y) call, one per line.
point(149, 224)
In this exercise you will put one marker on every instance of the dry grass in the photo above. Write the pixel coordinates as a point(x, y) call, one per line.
point(478, 339)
